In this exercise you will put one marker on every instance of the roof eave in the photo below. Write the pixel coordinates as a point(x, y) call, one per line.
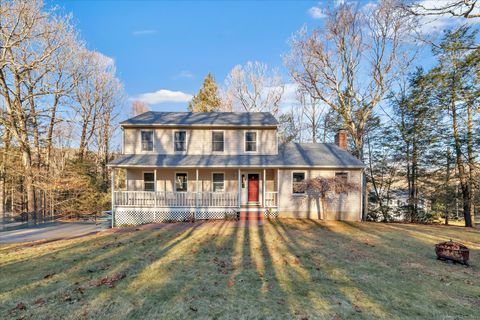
point(172, 125)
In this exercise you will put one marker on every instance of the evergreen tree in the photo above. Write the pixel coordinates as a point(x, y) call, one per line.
point(456, 91)
point(207, 99)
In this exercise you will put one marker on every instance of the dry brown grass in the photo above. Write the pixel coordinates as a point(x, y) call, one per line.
point(286, 269)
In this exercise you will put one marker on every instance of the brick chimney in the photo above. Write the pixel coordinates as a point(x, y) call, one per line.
point(341, 139)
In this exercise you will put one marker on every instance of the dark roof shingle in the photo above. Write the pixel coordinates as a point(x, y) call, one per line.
point(202, 119)
point(319, 155)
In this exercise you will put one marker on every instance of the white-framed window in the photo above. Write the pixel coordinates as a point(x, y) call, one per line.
point(250, 141)
point(297, 182)
point(218, 141)
point(149, 181)
point(181, 181)
point(218, 182)
point(147, 140)
point(180, 141)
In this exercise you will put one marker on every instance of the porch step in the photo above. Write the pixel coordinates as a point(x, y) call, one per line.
point(251, 214)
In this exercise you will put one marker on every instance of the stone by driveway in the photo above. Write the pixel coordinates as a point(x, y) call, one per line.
point(51, 231)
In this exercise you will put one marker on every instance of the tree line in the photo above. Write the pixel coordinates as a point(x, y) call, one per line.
point(416, 128)
point(413, 122)
point(58, 107)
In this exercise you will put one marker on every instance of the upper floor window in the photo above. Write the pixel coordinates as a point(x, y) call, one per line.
point(218, 182)
point(297, 182)
point(147, 140)
point(250, 141)
point(149, 181)
point(217, 141)
point(180, 140)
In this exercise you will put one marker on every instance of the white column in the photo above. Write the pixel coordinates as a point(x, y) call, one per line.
point(113, 197)
point(264, 186)
point(196, 188)
point(239, 196)
point(278, 191)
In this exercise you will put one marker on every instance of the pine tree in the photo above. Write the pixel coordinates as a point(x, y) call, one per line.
point(207, 99)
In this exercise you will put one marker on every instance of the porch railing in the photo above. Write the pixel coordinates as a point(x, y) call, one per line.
point(271, 199)
point(175, 199)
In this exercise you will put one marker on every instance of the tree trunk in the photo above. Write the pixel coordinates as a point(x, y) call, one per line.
point(462, 176)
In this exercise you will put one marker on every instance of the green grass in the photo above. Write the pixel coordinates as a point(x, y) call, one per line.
point(296, 269)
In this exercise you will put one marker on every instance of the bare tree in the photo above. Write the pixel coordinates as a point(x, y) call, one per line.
point(254, 87)
point(351, 63)
point(30, 40)
point(139, 107)
point(322, 189)
point(468, 9)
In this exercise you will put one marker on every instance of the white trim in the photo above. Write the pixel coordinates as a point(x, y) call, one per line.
point(175, 180)
point(154, 179)
point(113, 197)
point(264, 188)
point(224, 184)
point(211, 146)
point(291, 182)
point(153, 141)
point(186, 141)
point(245, 141)
point(239, 187)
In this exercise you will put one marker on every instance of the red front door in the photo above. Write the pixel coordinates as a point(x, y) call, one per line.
point(253, 187)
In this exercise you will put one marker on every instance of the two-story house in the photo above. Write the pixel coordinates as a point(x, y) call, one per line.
point(182, 165)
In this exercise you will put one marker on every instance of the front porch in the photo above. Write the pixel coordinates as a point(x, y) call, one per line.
point(157, 195)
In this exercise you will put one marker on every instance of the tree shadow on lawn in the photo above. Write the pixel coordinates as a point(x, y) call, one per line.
point(285, 269)
point(402, 272)
point(59, 283)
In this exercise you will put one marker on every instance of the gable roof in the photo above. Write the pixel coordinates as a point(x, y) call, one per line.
point(293, 155)
point(153, 118)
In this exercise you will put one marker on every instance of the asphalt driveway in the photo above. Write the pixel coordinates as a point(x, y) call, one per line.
point(51, 231)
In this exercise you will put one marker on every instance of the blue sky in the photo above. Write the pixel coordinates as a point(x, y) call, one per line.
point(173, 45)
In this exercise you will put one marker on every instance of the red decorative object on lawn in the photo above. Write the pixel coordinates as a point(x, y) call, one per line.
point(452, 251)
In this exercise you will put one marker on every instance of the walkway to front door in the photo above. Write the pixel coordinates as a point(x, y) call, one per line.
point(253, 179)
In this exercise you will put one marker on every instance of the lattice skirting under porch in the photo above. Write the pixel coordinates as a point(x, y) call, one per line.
point(137, 216)
point(270, 213)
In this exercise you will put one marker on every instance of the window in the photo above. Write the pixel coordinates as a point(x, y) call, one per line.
point(147, 140)
point(149, 181)
point(180, 140)
point(218, 180)
point(180, 182)
point(297, 182)
point(217, 141)
point(342, 176)
point(250, 141)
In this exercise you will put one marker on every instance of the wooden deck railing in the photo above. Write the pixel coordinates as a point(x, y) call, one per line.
point(271, 199)
point(175, 199)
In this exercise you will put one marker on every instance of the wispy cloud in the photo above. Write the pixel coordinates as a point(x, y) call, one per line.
point(163, 96)
point(185, 74)
point(317, 13)
point(144, 32)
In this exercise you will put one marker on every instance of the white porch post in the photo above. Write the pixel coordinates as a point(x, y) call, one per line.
point(277, 200)
point(113, 197)
point(264, 187)
point(239, 196)
point(196, 193)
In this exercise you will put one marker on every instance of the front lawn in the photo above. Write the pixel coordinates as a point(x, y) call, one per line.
point(286, 269)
